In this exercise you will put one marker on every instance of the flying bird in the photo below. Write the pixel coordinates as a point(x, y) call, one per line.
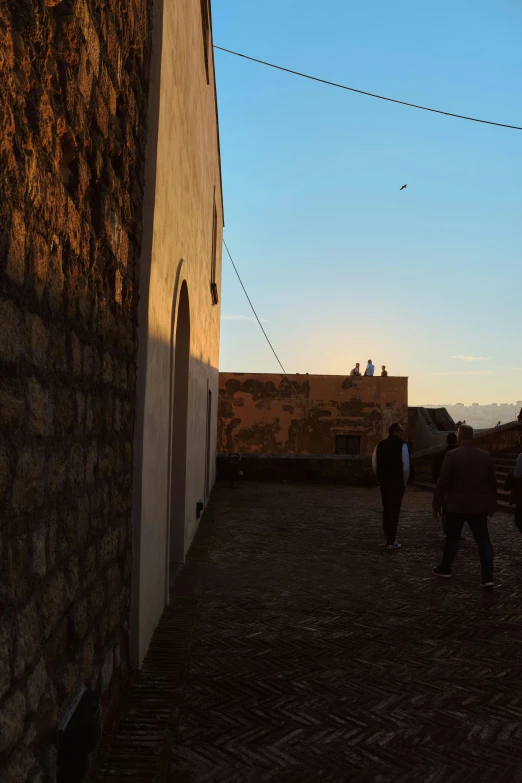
point(404, 186)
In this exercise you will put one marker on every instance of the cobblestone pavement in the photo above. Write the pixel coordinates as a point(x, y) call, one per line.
point(296, 648)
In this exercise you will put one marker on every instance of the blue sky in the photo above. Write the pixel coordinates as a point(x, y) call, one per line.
point(340, 264)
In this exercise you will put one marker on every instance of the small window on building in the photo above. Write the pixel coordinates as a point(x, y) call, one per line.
point(205, 22)
point(348, 444)
point(213, 257)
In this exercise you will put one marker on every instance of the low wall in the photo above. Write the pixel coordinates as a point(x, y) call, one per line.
point(300, 468)
point(494, 440)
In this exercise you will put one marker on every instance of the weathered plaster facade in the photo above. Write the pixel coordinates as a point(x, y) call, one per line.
point(304, 414)
point(178, 358)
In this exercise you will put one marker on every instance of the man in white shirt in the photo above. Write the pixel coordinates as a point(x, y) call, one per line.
point(370, 368)
point(391, 465)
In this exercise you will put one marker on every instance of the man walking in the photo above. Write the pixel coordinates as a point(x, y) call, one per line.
point(451, 443)
point(391, 465)
point(467, 488)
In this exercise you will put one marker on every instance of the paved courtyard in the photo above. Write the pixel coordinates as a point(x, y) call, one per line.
point(296, 648)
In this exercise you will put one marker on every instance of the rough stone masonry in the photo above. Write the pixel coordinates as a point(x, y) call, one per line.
point(73, 105)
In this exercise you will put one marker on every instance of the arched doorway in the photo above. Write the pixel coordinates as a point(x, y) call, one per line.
point(178, 479)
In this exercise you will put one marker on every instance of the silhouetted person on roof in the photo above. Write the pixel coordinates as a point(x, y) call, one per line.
point(356, 370)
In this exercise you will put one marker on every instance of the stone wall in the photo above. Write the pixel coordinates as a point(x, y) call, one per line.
point(73, 106)
point(303, 414)
point(299, 468)
point(494, 441)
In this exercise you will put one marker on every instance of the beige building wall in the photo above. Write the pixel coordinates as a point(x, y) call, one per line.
point(303, 414)
point(184, 188)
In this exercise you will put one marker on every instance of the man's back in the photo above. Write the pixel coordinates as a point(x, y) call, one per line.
point(467, 483)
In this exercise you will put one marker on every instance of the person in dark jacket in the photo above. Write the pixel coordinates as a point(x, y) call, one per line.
point(391, 464)
point(467, 489)
point(451, 443)
point(516, 491)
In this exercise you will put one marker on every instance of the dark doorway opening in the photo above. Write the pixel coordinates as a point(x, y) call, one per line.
point(179, 429)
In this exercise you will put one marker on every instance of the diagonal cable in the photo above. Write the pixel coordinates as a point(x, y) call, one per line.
point(327, 435)
point(364, 92)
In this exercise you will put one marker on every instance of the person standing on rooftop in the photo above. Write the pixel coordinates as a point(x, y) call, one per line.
point(467, 489)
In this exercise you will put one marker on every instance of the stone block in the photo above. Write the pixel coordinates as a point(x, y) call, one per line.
point(76, 472)
point(107, 368)
point(83, 520)
point(55, 280)
point(73, 226)
point(91, 463)
point(66, 682)
point(39, 558)
point(57, 351)
point(12, 410)
point(88, 361)
point(72, 581)
point(52, 528)
point(56, 475)
point(36, 339)
point(87, 658)
point(63, 410)
point(5, 475)
point(75, 349)
point(12, 717)
point(109, 547)
point(19, 766)
point(78, 621)
point(117, 415)
point(96, 600)
point(39, 257)
point(56, 645)
point(19, 565)
point(28, 488)
point(5, 661)
point(88, 566)
point(40, 418)
point(10, 346)
point(107, 670)
point(36, 686)
point(80, 408)
point(15, 269)
point(53, 601)
point(27, 638)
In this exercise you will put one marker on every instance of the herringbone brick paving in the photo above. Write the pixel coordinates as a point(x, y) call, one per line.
point(296, 648)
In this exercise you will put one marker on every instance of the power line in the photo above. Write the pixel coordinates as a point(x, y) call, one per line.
point(369, 94)
point(296, 391)
point(253, 310)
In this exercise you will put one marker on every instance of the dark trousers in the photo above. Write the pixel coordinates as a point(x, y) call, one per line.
point(478, 524)
point(518, 516)
point(392, 493)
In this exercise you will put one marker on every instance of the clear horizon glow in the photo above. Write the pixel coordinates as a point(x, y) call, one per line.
point(340, 264)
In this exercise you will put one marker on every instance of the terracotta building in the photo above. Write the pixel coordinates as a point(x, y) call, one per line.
point(110, 264)
point(308, 414)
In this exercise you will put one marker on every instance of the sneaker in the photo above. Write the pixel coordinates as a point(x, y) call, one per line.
point(396, 545)
point(487, 584)
point(443, 574)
